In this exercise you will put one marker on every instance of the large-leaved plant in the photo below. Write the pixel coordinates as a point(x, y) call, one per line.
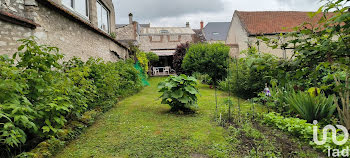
point(179, 92)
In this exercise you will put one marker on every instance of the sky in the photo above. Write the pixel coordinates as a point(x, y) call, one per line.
point(178, 12)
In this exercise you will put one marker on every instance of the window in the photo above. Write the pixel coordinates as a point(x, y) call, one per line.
point(102, 17)
point(164, 31)
point(216, 33)
point(80, 6)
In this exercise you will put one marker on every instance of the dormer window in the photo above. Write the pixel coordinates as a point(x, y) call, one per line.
point(164, 31)
point(79, 6)
point(102, 17)
point(216, 33)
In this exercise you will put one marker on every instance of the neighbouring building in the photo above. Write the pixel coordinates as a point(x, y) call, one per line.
point(82, 28)
point(199, 34)
point(245, 27)
point(129, 34)
point(164, 40)
point(159, 40)
point(216, 32)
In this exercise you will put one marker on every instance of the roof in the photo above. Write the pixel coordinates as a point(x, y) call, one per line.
point(123, 25)
point(167, 31)
point(145, 25)
point(117, 26)
point(199, 36)
point(216, 31)
point(273, 22)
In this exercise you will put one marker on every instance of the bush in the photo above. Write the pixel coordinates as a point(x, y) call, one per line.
point(179, 57)
point(142, 58)
point(179, 92)
point(208, 59)
point(152, 57)
point(254, 71)
point(204, 78)
point(41, 93)
point(311, 107)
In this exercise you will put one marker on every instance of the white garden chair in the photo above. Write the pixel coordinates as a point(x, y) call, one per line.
point(166, 70)
point(155, 71)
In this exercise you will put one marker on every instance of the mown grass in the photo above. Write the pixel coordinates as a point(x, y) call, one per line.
point(140, 126)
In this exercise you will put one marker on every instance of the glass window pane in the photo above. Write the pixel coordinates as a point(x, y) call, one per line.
point(105, 20)
point(102, 17)
point(81, 7)
point(67, 3)
point(99, 15)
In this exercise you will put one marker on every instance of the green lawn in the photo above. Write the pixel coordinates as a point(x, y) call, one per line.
point(139, 126)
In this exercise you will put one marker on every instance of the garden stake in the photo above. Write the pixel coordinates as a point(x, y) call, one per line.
point(238, 101)
point(229, 91)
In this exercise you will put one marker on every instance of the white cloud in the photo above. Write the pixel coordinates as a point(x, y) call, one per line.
point(178, 12)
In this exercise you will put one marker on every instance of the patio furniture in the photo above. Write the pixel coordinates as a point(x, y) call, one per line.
point(166, 70)
point(155, 71)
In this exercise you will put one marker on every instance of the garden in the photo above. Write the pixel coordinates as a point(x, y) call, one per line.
point(216, 106)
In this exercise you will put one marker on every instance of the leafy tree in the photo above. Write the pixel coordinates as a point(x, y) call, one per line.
point(314, 43)
point(179, 55)
point(211, 59)
point(152, 57)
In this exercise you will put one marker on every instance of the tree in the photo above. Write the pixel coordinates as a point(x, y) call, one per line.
point(179, 56)
point(208, 59)
point(152, 57)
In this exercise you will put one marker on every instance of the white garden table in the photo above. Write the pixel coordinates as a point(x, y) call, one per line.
point(165, 70)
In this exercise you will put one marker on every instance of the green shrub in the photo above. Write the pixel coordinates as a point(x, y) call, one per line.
point(142, 58)
point(152, 57)
point(254, 71)
point(41, 93)
point(208, 59)
point(310, 107)
point(179, 92)
point(204, 78)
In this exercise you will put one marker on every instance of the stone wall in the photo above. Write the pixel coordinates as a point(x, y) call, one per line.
point(15, 7)
point(127, 32)
point(147, 43)
point(238, 35)
point(58, 29)
point(9, 34)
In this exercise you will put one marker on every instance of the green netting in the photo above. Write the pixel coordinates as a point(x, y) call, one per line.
point(141, 74)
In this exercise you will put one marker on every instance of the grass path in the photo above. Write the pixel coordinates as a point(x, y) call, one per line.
point(140, 126)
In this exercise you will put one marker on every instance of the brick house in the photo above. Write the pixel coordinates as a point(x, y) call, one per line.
point(245, 27)
point(79, 28)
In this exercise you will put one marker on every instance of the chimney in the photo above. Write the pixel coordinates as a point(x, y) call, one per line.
point(187, 24)
point(202, 25)
point(130, 18)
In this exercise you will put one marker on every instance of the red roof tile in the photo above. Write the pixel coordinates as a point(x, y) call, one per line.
point(273, 22)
